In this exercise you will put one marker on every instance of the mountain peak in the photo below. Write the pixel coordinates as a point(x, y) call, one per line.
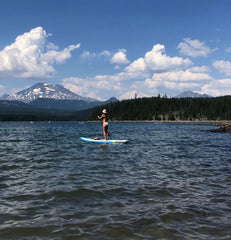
point(45, 90)
point(191, 94)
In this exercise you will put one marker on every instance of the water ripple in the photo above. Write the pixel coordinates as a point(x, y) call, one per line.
point(172, 181)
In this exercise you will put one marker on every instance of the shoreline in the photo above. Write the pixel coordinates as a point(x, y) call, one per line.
point(225, 125)
point(219, 122)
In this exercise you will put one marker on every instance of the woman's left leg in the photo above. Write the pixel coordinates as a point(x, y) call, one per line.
point(105, 132)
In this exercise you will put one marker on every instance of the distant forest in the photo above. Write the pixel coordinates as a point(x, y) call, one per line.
point(43, 115)
point(154, 108)
point(168, 109)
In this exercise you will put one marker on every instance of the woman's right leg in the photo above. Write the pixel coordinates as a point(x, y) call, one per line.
point(105, 132)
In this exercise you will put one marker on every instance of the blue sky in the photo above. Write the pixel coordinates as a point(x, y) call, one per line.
point(105, 48)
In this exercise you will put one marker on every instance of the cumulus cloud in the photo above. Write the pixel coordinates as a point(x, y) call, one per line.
point(137, 67)
point(147, 76)
point(193, 48)
point(219, 87)
point(176, 81)
point(223, 66)
point(59, 56)
point(199, 69)
point(119, 58)
point(120, 84)
point(87, 55)
point(31, 56)
point(92, 86)
point(105, 53)
point(110, 85)
point(158, 85)
point(181, 76)
point(157, 61)
point(51, 46)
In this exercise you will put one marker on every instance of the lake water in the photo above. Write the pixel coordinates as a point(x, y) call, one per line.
point(171, 181)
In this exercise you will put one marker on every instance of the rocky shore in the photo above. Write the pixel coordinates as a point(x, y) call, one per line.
point(224, 127)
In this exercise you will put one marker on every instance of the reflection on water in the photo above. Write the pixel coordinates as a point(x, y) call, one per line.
point(171, 181)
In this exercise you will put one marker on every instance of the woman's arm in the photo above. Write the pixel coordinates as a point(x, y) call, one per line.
point(102, 116)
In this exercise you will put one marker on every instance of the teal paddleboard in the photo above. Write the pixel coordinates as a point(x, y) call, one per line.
point(102, 140)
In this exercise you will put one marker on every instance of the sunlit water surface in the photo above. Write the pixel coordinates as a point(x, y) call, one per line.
point(171, 181)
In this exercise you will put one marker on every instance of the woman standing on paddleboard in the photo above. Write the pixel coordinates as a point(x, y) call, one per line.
point(105, 123)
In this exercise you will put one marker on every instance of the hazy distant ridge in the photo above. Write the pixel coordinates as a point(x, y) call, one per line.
point(191, 94)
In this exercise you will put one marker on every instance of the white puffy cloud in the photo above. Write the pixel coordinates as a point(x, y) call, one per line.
point(199, 69)
point(128, 95)
point(180, 80)
point(121, 76)
point(87, 55)
point(223, 66)
point(157, 61)
point(217, 87)
point(132, 94)
point(117, 85)
point(105, 53)
point(181, 76)
point(147, 76)
point(31, 56)
point(193, 48)
point(51, 46)
point(92, 86)
point(171, 88)
point(119, 58)
point(175, 81)
point(170, 84)
point(58, 56)
point(110, 85)
point(136, 67)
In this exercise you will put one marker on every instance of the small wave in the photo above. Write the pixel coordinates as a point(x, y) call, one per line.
point(25, 233)
point(177, 216)
point(7, 167)
point(75, 194)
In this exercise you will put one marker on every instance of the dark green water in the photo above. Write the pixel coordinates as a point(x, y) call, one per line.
point(171, 181)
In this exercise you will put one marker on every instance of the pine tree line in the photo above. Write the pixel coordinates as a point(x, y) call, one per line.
point(170, 109)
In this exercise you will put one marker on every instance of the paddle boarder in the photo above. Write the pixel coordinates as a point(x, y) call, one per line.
point(105, 123)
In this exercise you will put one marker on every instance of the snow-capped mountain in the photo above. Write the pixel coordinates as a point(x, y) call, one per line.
point(45, 90)
point(190, 94)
